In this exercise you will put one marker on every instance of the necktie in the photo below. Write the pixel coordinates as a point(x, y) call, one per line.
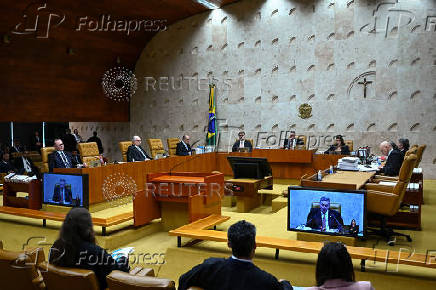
point(26, 164)
point(145, 157)
point(323, 223)
point(64, 159)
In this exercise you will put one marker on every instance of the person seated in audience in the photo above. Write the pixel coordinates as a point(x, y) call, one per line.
point(5, 164)
point(236, 272)
point(75, 156)
point(69, 141)
point(36, 142)
point(135, 152)
point(334, 269)
point(292, 141)
point(403, 145)
point(97, 140)
point(394, 159)
point(60, 158)
point(183, 148)
point(77, 136)
point(339, 147)
point(76, 248)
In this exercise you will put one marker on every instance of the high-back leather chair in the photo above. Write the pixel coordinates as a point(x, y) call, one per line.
point(419, 153)
point(349, 143)
point(172, 145)
point(412, 150)
point(56, 278)
point(156, 147)
point(89, 152)
point(377, 178)
point(18, 270)
point(45, 151)
point(385, 201)
point(124, 145)
point(118, 280)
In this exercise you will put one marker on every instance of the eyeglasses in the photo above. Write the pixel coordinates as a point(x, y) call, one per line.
point(137, 140)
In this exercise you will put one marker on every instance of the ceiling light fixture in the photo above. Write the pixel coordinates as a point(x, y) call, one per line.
point(207, 4)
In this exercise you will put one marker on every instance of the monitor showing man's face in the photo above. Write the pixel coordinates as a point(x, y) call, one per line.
point(324, 205)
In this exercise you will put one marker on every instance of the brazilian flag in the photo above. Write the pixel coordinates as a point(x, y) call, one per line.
point(211, 130)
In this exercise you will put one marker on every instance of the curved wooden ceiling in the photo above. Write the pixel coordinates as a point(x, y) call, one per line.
point(53, 72)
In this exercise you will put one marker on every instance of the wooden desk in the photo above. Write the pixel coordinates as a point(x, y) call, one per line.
point(284, 156)
point(185, 197)
point(33, 188)
point(339, 180)
point(246, 190)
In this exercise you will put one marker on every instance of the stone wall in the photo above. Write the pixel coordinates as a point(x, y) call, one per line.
point(110, 133)
point(268, 58)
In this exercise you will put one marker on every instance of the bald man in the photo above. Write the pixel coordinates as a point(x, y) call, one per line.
point(394, 159)
point(135, 152)
point(183, 147)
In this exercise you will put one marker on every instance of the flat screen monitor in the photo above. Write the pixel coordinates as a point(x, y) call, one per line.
point(327, 211)
point(249, 167)
point(65, 189)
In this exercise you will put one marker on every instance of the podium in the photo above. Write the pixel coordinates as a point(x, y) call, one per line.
point(185, 197)
point(33, 188)
point(245, 190)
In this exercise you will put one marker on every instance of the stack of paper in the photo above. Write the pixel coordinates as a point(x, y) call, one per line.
point(348, 163)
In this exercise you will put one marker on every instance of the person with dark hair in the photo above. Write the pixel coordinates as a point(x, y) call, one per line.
point(69, 140)
point(291, 142)
point(36, 142)
point(354, 228)
point(339, 147)
point(334, 269)
point(5, 164)
point(236, 272)
point(242, 144)
point(183, 147)
point(403, 145)
point(323, 218)
point(97, 140)
point(76, 248)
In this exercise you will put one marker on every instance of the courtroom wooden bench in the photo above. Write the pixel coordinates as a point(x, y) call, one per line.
point(362, 253)
point(57, 216)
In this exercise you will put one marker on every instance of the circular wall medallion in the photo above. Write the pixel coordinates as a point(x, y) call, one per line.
point(119, 84)
point(305, 111)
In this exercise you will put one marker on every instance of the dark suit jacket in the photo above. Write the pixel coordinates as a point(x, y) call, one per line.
point(298, 142)
point(89, 256)
point(247, 144)
point(314, 219)
point(33, 143)
point(55, 161)
point(5, 167)
point(70, 142)
point(57, 194)
point(344, 150)
point(181, 149)
point(226, 274)
point(393, 164)
point(133, 154)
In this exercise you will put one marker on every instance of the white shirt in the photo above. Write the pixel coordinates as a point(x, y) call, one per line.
point(143, 154)
point(390, 151)
point(242, 260)
point(326, 214)
point(26, 164)
point(186, 146)
point(241, 144)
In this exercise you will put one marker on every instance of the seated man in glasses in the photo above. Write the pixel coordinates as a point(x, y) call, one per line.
point(242, 144)
point(135, 152)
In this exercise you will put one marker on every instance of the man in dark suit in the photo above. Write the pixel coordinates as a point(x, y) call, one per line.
point(36, 142)
point(394, 159)
point(62, 193)
point(183, 148)
point(5, 165)
point(97, 140)
point(242, 143)
point(236, 272)
point(292, 141)
point(323, 218)
point(135, 152)
point(60, 158)
point(69, 141)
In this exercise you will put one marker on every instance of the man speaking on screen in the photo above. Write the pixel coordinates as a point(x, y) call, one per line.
point(323, 218)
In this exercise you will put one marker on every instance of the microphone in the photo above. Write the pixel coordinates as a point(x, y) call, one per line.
point(339, 224)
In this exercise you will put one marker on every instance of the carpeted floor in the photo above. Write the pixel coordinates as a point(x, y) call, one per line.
point(152, 244)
